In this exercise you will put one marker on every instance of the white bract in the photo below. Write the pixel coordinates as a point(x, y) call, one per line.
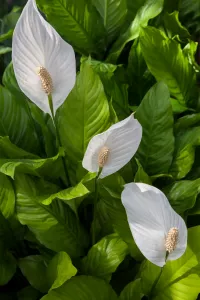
point(43, 62)
point(114, 148)
point(157, 229)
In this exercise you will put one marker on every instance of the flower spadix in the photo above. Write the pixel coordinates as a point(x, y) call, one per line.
point(113, 148)
point(43, 62)
point(159, 232)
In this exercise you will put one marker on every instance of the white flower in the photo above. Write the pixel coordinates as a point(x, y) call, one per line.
point(43, 62)
point(114, 148)
point(157, 229)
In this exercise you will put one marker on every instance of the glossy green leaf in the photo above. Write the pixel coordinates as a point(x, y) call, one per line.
point(55, 226)
point(184, 153)
point(104, 257)
point(110, 190)
point(133, 288)
point(182, 194)
point(79, 18)
point(6, 36)
point(7, 197)
point(28, 293)
point(167, 62)
point(83, 288)
point(4, 50)
point(173, 26)
point(7, 267)
point(180, 279)
point(149, 10)
point(113, 14)
point(155, 152)
point(141, 175)
point(187, 122)
point(59, 270)
point(34, 269)
point(84, 114)
point(16, 122)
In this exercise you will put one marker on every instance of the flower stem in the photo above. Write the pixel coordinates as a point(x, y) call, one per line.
point(155, 283)
point(95, 209)
point(58, 138)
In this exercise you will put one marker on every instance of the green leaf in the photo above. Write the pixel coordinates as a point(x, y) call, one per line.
point(6, 36)
point(83, 115)
point(133, 288)
point(133, 7)
point(187, 121)
point(182, 194)
point(177, 73)
point(16, 122)
point(55, 226)
point(104, 257)
point(177, 107)
point(4, 50)
point(34, 269)
point(149, 10)
point(113, 14)
point(155, 115)
point(28, 293)
point(80, 18)
point(38, 167)
point(180, 279)
point(7, 267)
point(141, 175)
point(184, 153)
point(7, 197)
point(110, 190)
point(174, 27)
point(59, 270)
point(83, 288)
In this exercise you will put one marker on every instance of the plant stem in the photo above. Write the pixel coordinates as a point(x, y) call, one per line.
point(95, 208)
point(58, 139)
point(155, 283)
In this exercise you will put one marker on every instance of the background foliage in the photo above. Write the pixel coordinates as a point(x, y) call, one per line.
point(132, 56)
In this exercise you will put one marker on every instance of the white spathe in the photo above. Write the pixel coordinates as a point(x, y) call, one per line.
point(150, 218)
point(122, 139)
point(37, 44)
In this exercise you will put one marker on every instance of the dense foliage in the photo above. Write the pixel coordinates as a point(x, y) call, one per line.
point(132, 56)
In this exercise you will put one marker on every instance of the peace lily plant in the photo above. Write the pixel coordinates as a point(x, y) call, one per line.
point(97, 216)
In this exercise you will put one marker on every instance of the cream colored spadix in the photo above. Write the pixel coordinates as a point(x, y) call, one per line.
point(157, 229)
point(43, 62)
point(114, 148)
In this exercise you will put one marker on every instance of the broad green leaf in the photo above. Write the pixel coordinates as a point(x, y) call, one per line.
point(133, 7)
point(7, 267)
point(141, 175)
point(7, 197)
point(187, 121)
point(190, 13)
point(80, 18)
point(173, 26)
point(6, 36)
point(155, 152)
point(184, 153)
point(10, 82)
point(55, 226)
point(177, 107)
point(83, 115)
point(113, 13)
point(37, 167)
point(177, 73)
point(83, 288)
point(28, 293)
point(104, 257)
point(182, 194)
point(180, 279)
point(16, 122)
point(149, 10)
point(110, 196)
point(34, 269)
point(4, 50)
point(59, 270)
point(133, 288)
point(10, 150)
